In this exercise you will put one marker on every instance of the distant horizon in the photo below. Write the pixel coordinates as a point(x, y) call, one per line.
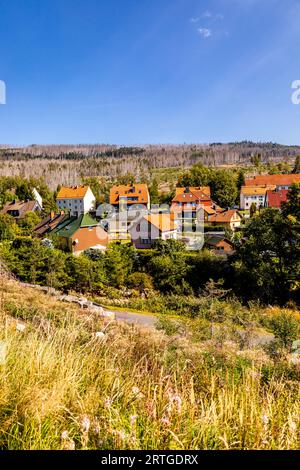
point(145, 144)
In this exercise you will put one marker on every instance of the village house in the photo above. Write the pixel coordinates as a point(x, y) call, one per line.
point(117, 224)
point(209, 211)
point(202, 192)
point(219, 244)
point(18, 209)
point(125, 196)
point(77, 234)
point(49, 223)
point(254, 195)
point(149, 228)
point(76, 200)
point(279, 181)
point(228, 219)
point(38, 198)
point(188, 201)
point(276, 198)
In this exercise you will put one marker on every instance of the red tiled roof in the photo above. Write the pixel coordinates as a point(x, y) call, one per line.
point(224, 217)
point(276, 198)
point(186, 197)
point(277, 180)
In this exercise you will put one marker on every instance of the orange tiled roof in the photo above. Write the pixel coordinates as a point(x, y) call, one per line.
point(185, 197)
point(139, 191)
point(209, 210)
point(201, 192)
point(163, 222)
point(277, 180)
point(73, 192)
point(224, 216)
point(256, 190)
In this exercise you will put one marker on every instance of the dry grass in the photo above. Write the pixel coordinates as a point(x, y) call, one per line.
point(63, 387)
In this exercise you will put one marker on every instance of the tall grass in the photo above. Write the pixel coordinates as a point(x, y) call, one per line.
point(64, 387)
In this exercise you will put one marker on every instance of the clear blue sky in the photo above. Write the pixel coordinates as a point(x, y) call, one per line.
point(149, 71)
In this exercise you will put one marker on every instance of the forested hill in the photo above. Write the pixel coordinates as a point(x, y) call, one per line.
point(67, 164)
point(214, 153)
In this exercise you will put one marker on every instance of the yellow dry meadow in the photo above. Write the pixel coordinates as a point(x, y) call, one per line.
point(71, 381)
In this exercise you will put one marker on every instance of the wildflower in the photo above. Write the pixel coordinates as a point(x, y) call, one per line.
point(165, 421)
point(292, 426)
point(96, 428)
point(121, 434)
point(66, 442)
point(99, 335)
point(85, 424)
point(107, 402)
point(150, 408)
point(265, 419)
point(64, 435)
point(177, 399)
point(133, 419)
point(20, 327)
point(136, 391)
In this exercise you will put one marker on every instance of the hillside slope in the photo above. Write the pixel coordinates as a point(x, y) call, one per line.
point(69, 380)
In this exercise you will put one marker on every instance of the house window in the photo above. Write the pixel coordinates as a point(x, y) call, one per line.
point(145, 241)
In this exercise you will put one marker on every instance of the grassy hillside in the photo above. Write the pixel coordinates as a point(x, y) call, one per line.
point(65, 386)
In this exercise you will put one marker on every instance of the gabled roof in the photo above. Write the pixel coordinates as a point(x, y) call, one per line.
point(214, 240)
point(22, 206)
point(225, 216)
point(49, 223)
point(69, 226)
point(256, 190)
point(209, 210)
point(277, 180)
point(276, 198)
point(201, 192)
point(163, 222)
point(139, 191)
point(73, 192)
point(186, 197)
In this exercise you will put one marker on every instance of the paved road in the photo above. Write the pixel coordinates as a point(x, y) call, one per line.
point(149, 321)
point(134, 318)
